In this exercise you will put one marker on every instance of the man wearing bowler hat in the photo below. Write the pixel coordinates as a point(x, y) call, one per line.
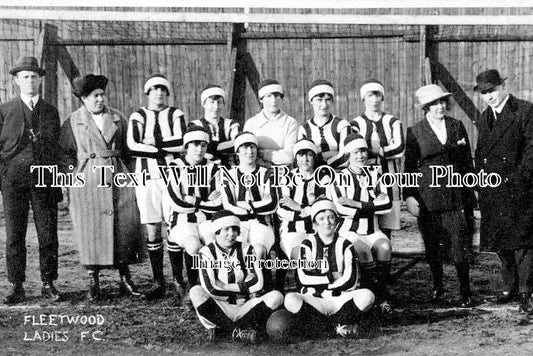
point(29, 132)
point(505, 147)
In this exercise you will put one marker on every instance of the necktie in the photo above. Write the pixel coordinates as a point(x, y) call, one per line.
point(32, 105)
point(491, 119)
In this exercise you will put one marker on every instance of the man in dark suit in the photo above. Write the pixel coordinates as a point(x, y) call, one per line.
point(445, 214)
point(505, 147)
point(29, 133)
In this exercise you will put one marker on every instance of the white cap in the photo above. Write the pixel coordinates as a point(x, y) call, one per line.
point(373, 86)
point(153, 81)
point(242, 138)
point(304, 144)
point(212, 91)
point(321, 205)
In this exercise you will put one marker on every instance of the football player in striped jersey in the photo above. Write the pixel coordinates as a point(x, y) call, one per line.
point(155, 136)
point(328, 271)
point(229, 296)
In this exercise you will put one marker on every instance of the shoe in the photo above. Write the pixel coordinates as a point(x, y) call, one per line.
point(386, 308)
point(347, 330)
point(437, 295)
point(128, 288)
point(157, 291)
point(524, 304)
point(505, 297)
point(211, 335)
point(181, 292)
point(50, 292)
point(466, 302)
point(93, 294)
point(17, 294)
point(248, 335)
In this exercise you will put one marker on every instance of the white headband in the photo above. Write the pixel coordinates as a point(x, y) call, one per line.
point(355, 144)
point(244, 138)
point(319, 89)
point(220, 223)
point(371, 87)
point(152, 82)
point(212, 92)
point(195, 135)
point(321, 205)
point(304, 145)
point(271, 88)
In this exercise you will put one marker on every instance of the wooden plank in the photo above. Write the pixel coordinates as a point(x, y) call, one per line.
point(206, 17)
point(50, 60)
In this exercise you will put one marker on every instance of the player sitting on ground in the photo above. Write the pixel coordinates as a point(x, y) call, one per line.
point(329, 294)
point(230, 284)
point(359, 203)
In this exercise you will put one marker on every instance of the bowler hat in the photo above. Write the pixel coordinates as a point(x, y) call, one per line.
point(27, 63)
point(488, 79)
point(83, 86)
point(428, 94)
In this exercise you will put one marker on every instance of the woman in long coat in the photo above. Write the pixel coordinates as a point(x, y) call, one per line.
point(104, 215)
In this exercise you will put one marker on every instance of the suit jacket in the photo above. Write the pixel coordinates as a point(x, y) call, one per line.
point(423, 150)
point(14, 138)
point(507, 149)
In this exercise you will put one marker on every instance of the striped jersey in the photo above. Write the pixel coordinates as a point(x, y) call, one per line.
point(386, 142)
point(303, 193)
point(254, 187)
point(328, 137)
point(197, 181)
point(337, 257)
point(221, 138)
point(375, 201)
point(166, 127)
point(220, 267)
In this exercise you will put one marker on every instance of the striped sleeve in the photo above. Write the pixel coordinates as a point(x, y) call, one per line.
point(134, 138)
point(174, 143)
point(307, 276)
point(381, 204)
point(348, 278)
point(254, 276)
point(174, 191)
point(396, 145)
point(208, 276)
point(269, 201)
point(335, 192)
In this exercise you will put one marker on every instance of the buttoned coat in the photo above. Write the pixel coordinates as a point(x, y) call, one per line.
point(12, 139)
point(424, 150)
point(105, 216)
point(507, 150)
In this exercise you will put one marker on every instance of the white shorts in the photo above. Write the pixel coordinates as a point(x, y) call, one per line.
point(391, 220)
point(328, 305)
point(234, 312)
point(151, 201)
point(290, 240)
point(253, 232)
point(184, 230)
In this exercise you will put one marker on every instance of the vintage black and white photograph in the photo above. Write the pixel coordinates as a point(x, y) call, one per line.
point(290, 177)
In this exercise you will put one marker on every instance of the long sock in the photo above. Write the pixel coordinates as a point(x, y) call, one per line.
point(256, 318)
point(382, 277)
point(267, 279)
point(175, 255)
point(309, 319)
point(348, 314)
point(155, 251)
point(192, 274)
point(212, 312)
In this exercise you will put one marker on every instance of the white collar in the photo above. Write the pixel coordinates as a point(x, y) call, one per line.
point(26, 99)
point(499, 108)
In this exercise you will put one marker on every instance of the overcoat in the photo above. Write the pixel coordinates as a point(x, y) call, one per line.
point(424, 151)
point(507, 150)
point(105, 216)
